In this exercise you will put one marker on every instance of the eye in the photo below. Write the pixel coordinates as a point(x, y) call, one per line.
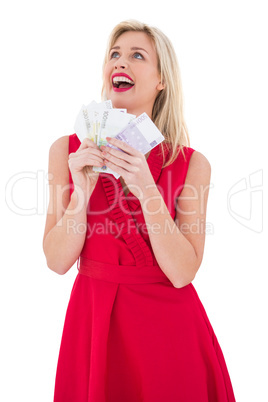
point(114, 55)
point(137, 55)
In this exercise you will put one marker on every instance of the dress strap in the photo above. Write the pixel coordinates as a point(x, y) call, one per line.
point(74, 144)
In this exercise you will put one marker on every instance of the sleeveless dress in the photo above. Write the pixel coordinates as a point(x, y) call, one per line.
point(130, 335)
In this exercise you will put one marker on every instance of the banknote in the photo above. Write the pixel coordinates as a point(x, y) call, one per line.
point(141, 133)
point(97, 121)
point(82, 125)
point(87, 122)
point(112, 122)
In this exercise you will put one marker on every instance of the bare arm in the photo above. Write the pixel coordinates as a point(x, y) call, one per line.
point(179, 246)
point(66, 221)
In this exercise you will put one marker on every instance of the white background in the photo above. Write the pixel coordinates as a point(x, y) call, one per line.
point(52, 54)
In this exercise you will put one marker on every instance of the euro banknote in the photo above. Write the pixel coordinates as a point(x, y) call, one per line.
point(97, 121)
point(87, 123)
point(112, 122)
point(141, 133)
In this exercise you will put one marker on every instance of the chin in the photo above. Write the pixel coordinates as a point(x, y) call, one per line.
point(120, 103)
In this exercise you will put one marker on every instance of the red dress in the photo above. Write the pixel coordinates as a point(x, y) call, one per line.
point(129, 334)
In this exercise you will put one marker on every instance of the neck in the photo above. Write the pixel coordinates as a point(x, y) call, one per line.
point(137, 112)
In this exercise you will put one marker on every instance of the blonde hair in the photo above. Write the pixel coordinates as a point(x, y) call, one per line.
point(167, 113)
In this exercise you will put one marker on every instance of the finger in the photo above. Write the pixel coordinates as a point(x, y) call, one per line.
point(87, 143)
point(122, 145)
point(115, 168)
point(84, 160)
point(87, 152)
point(119, 154)
point(128, 167)
point(91, 160)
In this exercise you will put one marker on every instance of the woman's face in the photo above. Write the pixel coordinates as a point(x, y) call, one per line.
point(131, 76)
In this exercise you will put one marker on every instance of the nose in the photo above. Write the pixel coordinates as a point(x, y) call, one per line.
point(120, 63)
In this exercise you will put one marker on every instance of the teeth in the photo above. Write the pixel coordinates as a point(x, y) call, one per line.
point(122, 79)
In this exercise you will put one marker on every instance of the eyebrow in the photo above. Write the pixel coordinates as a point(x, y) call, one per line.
point(132, 48)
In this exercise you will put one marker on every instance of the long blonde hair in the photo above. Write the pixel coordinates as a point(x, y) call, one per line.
point(167, 112)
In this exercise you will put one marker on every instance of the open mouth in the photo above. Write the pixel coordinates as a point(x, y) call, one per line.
point(122, 82)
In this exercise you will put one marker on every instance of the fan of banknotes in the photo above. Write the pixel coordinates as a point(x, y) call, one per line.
point(97, 121)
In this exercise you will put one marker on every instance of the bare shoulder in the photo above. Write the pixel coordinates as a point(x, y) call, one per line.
point(58, 160)
point(199, 169)
point(60, 147)
point(198, 160)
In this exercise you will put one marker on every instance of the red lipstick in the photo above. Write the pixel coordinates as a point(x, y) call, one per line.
point(121, 89)
point(121, 75)
point(116, 84)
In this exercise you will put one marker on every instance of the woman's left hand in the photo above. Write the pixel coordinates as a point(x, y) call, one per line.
point(131, 165)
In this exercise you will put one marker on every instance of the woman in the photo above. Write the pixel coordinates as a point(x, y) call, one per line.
point(135, 329)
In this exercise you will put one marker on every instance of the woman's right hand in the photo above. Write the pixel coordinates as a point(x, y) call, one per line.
point(81, 163)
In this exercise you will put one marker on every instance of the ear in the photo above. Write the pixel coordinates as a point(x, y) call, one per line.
point(160, 86)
